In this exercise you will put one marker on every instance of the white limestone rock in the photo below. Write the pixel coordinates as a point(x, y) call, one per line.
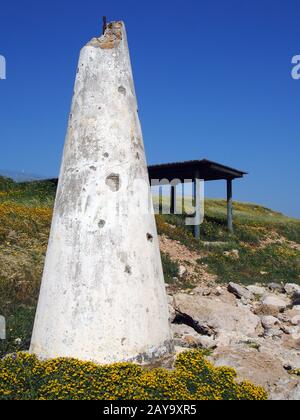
point(257, 290)
point(240, 291)
point(182, 271)
point(274, 301)
point(269, 322)
point(292, 288)
point(276, 287)
point(295, 320)
point(233, 254)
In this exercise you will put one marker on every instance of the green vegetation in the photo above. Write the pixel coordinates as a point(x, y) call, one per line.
point(30, 194)
point(295, 372)
point(277, 263)
point(6, 184)
point(171, 268)
point(252, 222)
point(22, 376)
point(267, 243)
point(25, 217)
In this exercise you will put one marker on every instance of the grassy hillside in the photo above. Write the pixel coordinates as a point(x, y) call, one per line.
point(25, 217)
point(266, 248)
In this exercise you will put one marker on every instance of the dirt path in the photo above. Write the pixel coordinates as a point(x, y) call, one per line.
point(178, 252)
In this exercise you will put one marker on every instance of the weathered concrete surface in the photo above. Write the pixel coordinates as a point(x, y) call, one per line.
point(103, 296)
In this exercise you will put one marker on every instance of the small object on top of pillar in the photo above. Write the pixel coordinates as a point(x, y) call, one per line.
point(104, 24)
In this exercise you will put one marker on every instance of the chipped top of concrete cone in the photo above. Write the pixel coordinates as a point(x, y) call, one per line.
point(112, 36)
point(103, 296)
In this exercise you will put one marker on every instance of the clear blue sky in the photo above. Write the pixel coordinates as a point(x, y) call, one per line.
point(213, 80)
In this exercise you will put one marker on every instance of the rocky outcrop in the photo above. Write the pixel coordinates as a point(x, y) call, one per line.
point(261, 368)
point(226, 321)
point(255, 329)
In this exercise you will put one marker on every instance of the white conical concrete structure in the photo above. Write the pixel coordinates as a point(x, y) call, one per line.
point(103, 296)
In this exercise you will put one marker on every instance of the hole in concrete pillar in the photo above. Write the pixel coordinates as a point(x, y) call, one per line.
point(128, 269)
point(149, 237)
point(106, 155)
point(113, 182)
point(122, 90)
point(101, 223)
point(93, 168)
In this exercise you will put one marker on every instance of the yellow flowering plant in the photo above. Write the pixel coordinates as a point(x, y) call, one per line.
point(23, 376)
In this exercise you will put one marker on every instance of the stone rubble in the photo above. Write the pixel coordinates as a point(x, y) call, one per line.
point(257, 290)
point(240, 291)
point(254, 329)
point(291, 288)
point(182, 271)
